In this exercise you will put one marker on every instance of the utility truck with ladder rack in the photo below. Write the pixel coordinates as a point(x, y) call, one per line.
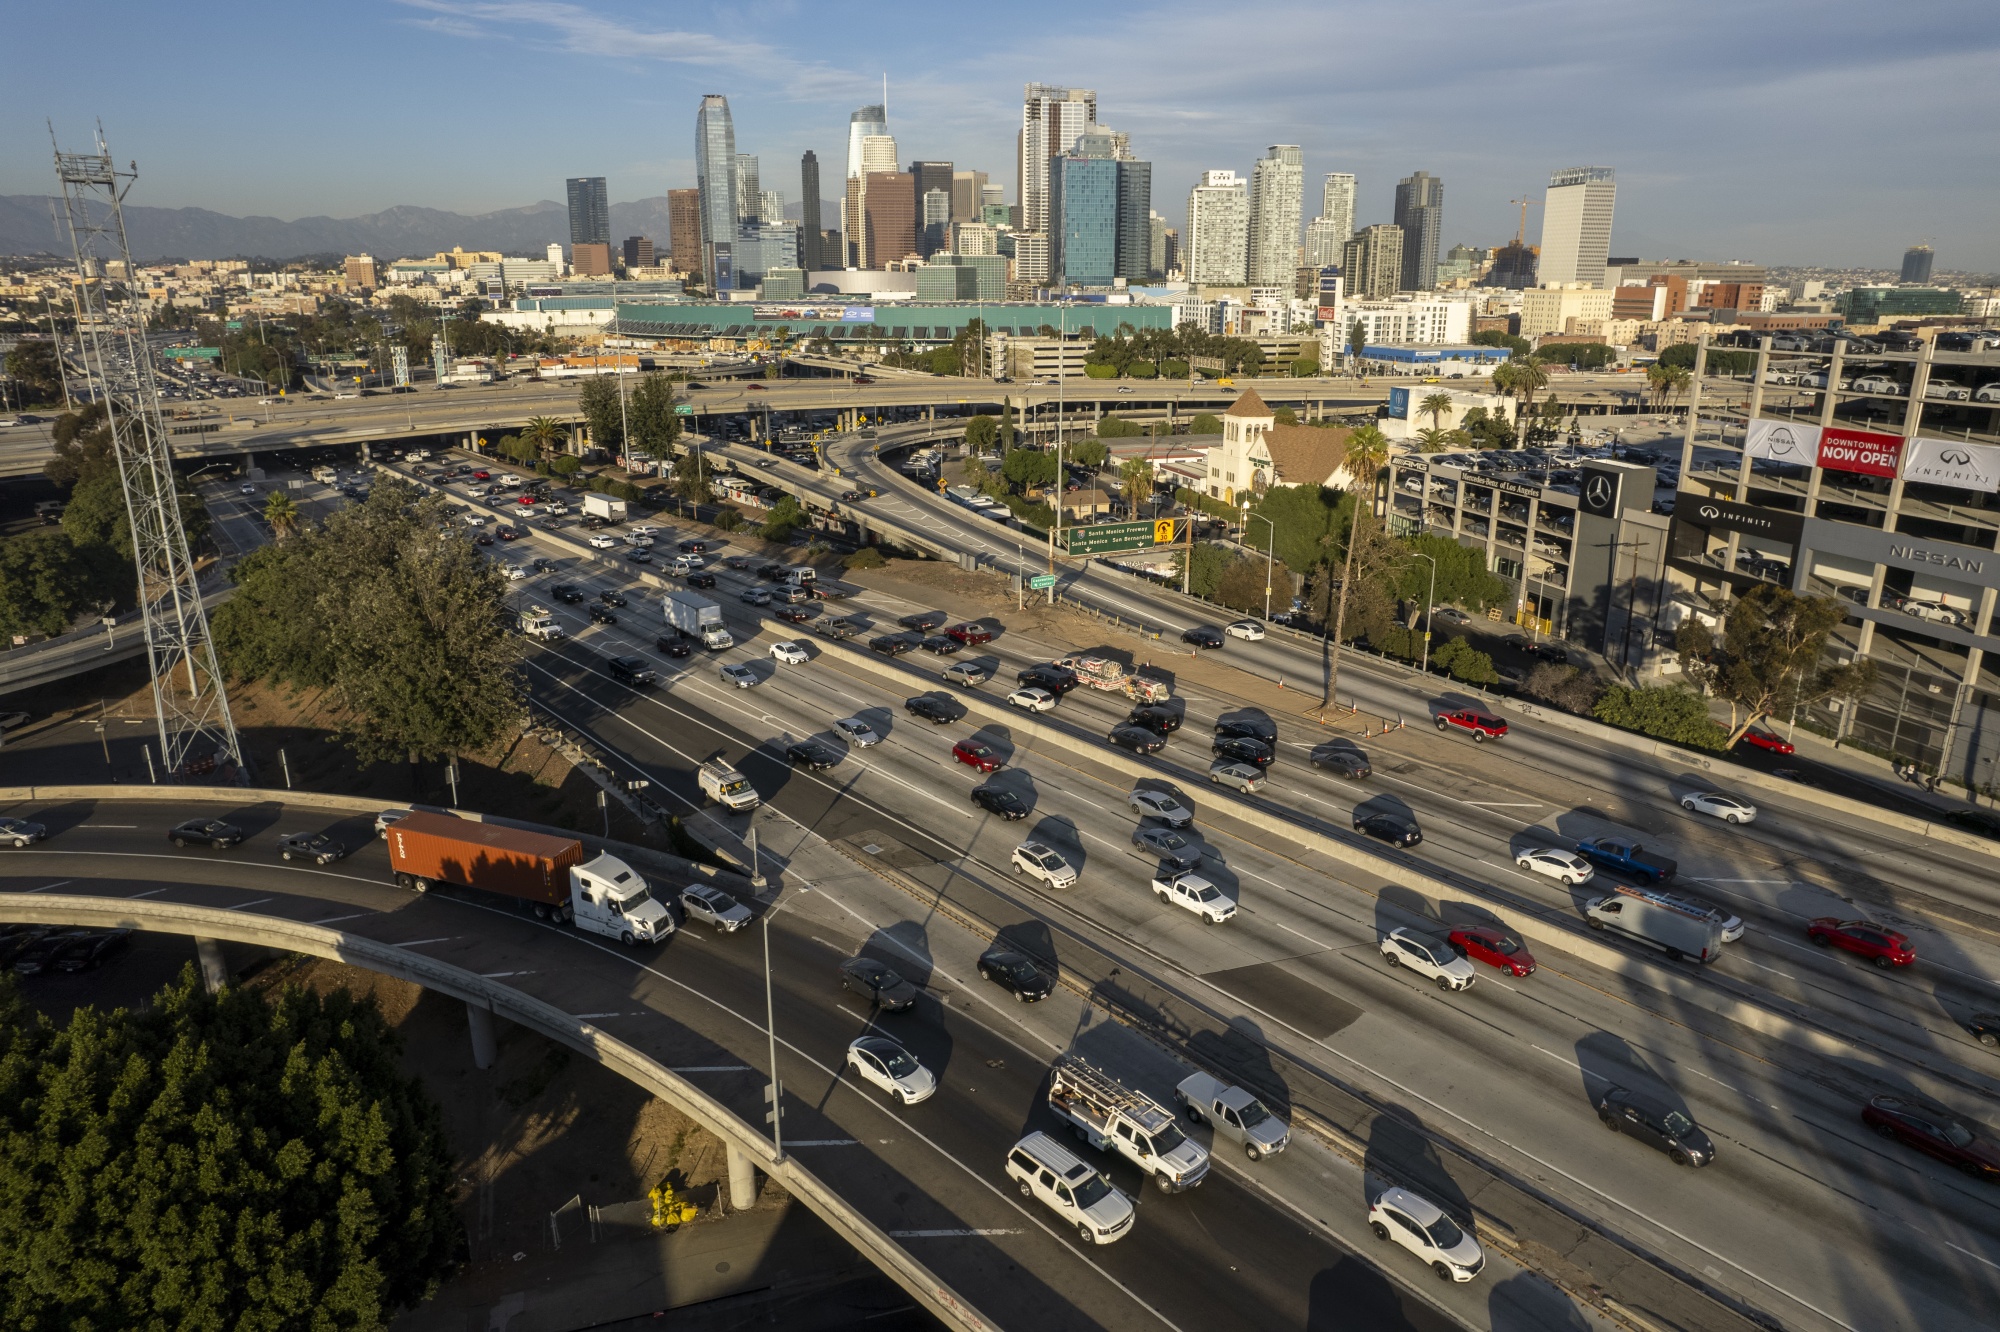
point(1111, 1116)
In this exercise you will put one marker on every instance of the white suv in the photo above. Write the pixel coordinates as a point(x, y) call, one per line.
point(1427, 957)
point(1049, 1172)
point(1038, 860)
point(1421, 1226)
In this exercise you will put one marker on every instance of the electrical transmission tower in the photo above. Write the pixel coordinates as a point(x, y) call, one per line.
point(197, 735)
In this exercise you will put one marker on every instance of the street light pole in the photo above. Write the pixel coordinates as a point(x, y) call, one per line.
point(1430, 598)
point(1270, 551)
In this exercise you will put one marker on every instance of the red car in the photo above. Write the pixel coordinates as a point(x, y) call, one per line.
point(976, 755)
point(482, 475)
point(971, 635)
point(1482, 727)
point(1932, 1131)
point(1878, 943)
point(758, 387)
point(1765, 740)
point(1496, 948)
point(506, 534)
point(527, 499)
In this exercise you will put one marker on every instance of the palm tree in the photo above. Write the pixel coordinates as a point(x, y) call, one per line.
point(1137, 476)
point(1367, 449)
point(1677, 379)
point(281, 513)
point(545, 433)
point(1434, 406)
point(1433, 440)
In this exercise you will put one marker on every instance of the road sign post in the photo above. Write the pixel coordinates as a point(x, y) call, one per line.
point(1040, 581)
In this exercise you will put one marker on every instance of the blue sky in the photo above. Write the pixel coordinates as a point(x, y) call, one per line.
point(1834, 132)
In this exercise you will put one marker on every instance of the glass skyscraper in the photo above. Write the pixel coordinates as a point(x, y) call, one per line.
point(1083, 218)
point(715, 176)
point(1420, 214)
point(589, 213)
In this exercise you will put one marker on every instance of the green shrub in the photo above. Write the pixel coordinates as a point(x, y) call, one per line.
point(1173, 369)
point(1677, 716)
point(866, 558)
point(1142, 370)
point(727, 519)
point(1101, 371)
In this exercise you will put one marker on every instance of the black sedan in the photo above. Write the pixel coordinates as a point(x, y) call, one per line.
point(936, 711)
point(1253, 728)
point(21, 832)
point(673, 646)
point(611, 598)
point(1137, 739)
point(87, 953)
point(941, 645)
point(205, 832)
point(568, 593)
point(692, 546)
point(701, 580)
point(1347, 762)
point(40, 956)
point(999, 800)
point(1202, 636)
point(1395, 829)
point(880, 985)
point(602, 615)
point(1242, 749)
point(316, 847)
point(18, 939)
point(796, 614)
point(923, 621)
point(1984, 1028)
point(1158, 720)
point(811, 755)
point(893, 645)
point(1016, 974)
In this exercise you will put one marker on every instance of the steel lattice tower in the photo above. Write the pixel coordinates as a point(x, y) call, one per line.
point(197, 735)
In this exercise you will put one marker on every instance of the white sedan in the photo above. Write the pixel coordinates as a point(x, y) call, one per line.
point(889, 1066)
point(1566, 866)
point(1422, 1227)
point(516, 572)
point(1728, 808)
point(1032, 699)
point(1160, 805)
point(789, 653)
point(1249, 630)
point(603, 542)
point(1428, 957)
point(857, 732)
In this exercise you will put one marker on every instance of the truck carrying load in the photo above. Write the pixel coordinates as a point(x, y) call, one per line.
point(603, 506)
point(1678, 929)
point(1112, 677)
point(540, 622)
point(1111, 1116)
point(837, 627)
point(697, 617)
point(723, 784)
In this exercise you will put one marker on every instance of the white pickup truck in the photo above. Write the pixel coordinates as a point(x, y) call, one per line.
point(1109, 1115)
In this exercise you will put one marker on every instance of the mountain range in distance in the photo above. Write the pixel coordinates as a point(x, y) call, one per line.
point(29, 227)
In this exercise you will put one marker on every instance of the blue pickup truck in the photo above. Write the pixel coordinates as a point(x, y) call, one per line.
point(1623, 856)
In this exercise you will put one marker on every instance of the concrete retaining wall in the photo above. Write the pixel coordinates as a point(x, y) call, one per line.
point(503, 1001)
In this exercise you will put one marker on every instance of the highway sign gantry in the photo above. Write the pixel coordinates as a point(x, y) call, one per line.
point(1101, 538)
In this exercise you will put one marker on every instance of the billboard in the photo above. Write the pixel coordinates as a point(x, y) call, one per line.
point(1399, 404)
point(857, 314)
point(1947, 462)
point(1783, 441)
point(1868, 452)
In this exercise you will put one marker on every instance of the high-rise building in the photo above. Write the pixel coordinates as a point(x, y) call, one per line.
point(1218, 229)
point(748, 189)
point(1324, 242)
point(1513, 266)
point(589, 211)
point(1917, 264)
point(638, 252)
point(590, 259)
point(889, 209)
point(1156, 243)
point(770, 208)
point(863, 123)
point(684, 230)
point(1051, 120)
point(966, 187)
point(866, 123)
point(1372, 262)
point(1576, 225)
point(809, 228)
point(1083, 219)
point(1336, 203)
point(1277, 187)
point(361, 271)
point(878, 154)
point(554, 255)
point(1135, 214)
point(1420, 214)
point(935, 233)
point(932, 176)
point(974, 238)
point(715, 176)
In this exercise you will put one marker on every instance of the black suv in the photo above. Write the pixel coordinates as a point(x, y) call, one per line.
point(1158, 720)
point(936, 711)
point(893, 645)
point(1058, 680)
point(878, 984)
point(1250, 728)
point(999, 800)
point(567, 592)
point(611, 598)
point(1242, 749)
point(316, 847)
point(1655, 1123)
point(602, 615)
point(631, 671)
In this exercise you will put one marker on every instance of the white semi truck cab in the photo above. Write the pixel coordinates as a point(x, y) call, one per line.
point(1109, 1115)
point(609, 897)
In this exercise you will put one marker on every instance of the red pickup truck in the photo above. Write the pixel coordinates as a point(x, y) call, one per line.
point(1482, 727)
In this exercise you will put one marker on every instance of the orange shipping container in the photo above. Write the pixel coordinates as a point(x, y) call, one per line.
point(436, 848)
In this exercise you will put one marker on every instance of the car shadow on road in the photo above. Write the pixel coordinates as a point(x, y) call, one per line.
point(1604, 1061)
point(1397, 907)
point(1059, 832)
point(1353, 1294)
point(254, 819)
point(1528, 1303)
point(1032, 939)
point(1399, 1152)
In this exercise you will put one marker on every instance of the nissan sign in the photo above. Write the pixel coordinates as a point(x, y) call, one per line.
point(1782, 441)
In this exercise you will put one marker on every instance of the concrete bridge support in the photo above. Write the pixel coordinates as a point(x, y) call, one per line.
point(742, 1179)
point(214, 971)
point(485, 1046)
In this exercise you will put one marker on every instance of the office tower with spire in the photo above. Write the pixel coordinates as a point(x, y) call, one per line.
point(809, 234)
point(878, 157)
point(715, 176)
point(1277, 188)
point(1576, 225)
point(868, 122)
point(1218, 230)
point(1420, 215)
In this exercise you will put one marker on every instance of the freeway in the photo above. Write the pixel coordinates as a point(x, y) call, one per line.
point(1896, 1245)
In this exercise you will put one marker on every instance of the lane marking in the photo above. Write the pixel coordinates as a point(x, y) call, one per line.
point(823, 1142)
point(245, 906)
point(959, 1234)
point(150, 892)
point(414, 943)
point(128, 827)
point(713, 1068)
point(355, 916)
point(57, 884)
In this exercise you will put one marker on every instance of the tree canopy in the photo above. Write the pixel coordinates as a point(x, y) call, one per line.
point(1771, 656)
point(216, 1161)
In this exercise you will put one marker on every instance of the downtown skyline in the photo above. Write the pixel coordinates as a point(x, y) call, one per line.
point(1701, 187)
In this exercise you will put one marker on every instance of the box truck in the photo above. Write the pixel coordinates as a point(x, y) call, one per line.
point(546, 874)
point(1680, 930)
point(697, 617)
point(603, 506)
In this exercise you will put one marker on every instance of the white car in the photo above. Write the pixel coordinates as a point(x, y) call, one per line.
point(516, 572)
point(1038, 860)
point(248, 489)
point(1728, 808)
point(1421, 1226)
point(1194, 893)
point(1451, 615)
point(1557, 863)
point(1933, 612)
point(718, 908)
point(1877, 384)
point(967, 673)
point(1125, 388)
point(1243, 777)
point(638, 539)
point(646, 530)
point(1988, 392)
point(740, 675)
point(1159, 805)
point(789, 653)
point(509, 479)
point(389, 817)
point(555, 508)
point(603, 542)
point(1050, 1173)
point(475, 520)
point(1032, 699)
point(1427, 957)
point(857, 732)
point(1249, 630)
point(879, 1060)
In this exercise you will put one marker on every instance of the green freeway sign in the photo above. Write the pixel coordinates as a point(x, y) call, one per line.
point(1040, 581)
point(1103, 537)
point(683, 409)
point(194, 353)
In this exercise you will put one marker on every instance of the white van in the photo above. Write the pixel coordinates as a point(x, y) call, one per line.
point(1048, 1171)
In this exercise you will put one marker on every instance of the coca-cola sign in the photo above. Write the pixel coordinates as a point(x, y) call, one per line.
point(1868, 452)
